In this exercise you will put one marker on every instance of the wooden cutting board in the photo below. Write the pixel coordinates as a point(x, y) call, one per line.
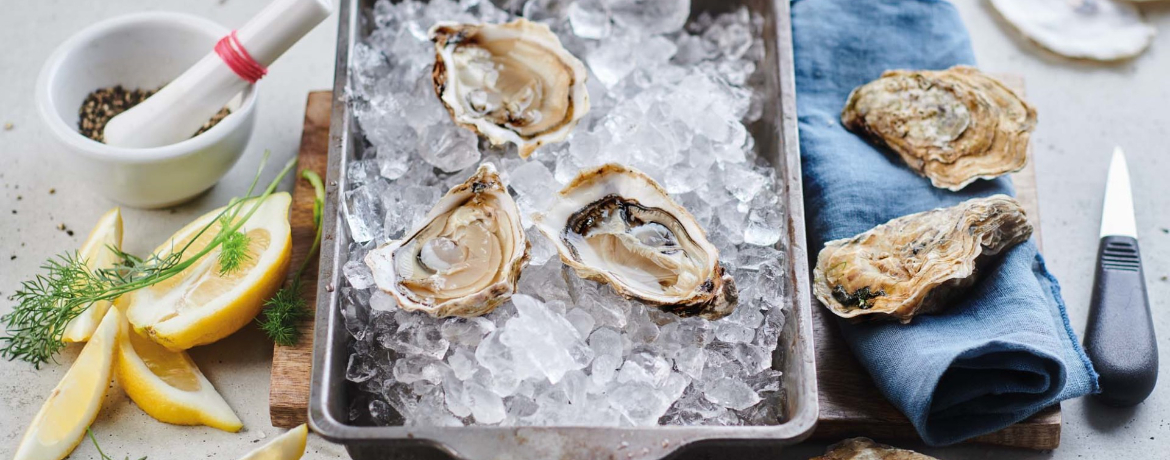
point(849, 403)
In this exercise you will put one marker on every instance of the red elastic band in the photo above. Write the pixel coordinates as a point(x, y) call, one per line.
point(237, 58)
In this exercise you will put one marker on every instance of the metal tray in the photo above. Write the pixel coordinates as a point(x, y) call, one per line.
point(776, 139)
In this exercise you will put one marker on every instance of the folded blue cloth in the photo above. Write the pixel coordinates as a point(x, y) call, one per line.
point(1005, 350)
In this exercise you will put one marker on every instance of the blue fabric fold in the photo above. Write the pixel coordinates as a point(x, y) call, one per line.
point(1004, 350)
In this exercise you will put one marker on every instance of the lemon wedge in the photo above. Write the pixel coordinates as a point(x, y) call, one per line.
point(288, 446)
point(97, 255)
point(166, 384)
point(202, 305)
point(74, 403)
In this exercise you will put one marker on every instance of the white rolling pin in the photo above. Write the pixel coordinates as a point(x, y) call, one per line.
point(181, 107)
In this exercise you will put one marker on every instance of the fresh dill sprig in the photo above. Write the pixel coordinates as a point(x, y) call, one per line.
point(287, 308)
point(99, 448)
point(233, 252)
point(66, 287)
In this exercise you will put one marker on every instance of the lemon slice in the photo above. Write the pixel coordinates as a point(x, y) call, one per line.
point(288, 446)
point(97, 255)
point(73, 405)
point(202, 305)
point(167, 385)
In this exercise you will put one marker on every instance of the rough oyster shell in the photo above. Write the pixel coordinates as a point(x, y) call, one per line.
point(615, 225)
point(915, 264)
point(866, 449)
point(952, 126)
point(465, 259)
point(1103, 30)
point(511, 82)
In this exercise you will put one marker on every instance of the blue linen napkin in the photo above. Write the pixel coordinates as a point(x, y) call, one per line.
point(1002, 352)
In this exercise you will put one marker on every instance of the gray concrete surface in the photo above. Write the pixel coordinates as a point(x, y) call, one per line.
point(1085, 109)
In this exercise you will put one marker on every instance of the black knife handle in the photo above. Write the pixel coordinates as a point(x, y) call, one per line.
point(1119, 338)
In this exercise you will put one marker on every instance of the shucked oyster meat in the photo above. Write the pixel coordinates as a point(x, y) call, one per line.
point(953, 126)
point(465, 259)
point(918, 263)
point(509, 82)
point(615, 225)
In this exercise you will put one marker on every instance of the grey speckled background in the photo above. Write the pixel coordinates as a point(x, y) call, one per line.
point(1085, 109)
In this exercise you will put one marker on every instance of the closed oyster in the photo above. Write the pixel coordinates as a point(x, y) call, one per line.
point(465, 259)
point(953, 126)
point(615, 225)
point(866, 449)
point(915, 264)
point(509, 82)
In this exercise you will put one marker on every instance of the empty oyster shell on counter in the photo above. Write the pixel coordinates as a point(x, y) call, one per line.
point(615, 225)
point(511, 82)
point(866, 449)
point(916, 264)
point(1102, 30)
point(465, 259)
point(953, 126)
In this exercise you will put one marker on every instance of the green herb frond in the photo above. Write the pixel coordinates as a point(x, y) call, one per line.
point(233, 252)
point(66, 287)
point(287, 308)
point(282, 313)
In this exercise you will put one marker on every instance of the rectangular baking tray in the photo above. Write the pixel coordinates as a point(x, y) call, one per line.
point(776, 139)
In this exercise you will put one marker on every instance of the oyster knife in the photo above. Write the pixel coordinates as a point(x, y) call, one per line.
point(1119, 338)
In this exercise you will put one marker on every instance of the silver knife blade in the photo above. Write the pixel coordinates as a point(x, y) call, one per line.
point(1117, 215)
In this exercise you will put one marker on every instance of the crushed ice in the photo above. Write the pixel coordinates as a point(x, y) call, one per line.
point(670, 100)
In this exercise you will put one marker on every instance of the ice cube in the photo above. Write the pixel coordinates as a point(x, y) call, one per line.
point(651, 16)
point(590, 19)
point(640, 403)
point(486, 406)
point(466, 331)
point(731, 393)
point(358, 274)
point(448, 147)
point(363, 206)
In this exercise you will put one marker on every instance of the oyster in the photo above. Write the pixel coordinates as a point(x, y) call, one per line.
point(866, 449)
point(953, 126)
point(915, 264)
point(1102, 30)
point(509, 82)
point(465, 259)
point(615, 225)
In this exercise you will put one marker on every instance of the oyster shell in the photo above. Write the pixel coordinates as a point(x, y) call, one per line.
point(866, 449)
point(915, 264)
point(952, 126)
point(615, 225)
point(509, 82)
point(465, 259)
point(1102, 30)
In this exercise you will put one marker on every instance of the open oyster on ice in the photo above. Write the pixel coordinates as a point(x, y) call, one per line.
point(953, 126)
point(509, 82)
point(615, 225)
point(465, 259)
point(916, 264)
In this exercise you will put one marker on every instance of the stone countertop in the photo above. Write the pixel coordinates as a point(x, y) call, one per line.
point(1085, 109)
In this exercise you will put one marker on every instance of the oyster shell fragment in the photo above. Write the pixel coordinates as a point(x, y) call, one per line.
point(1102, 30)
point(952, 126)
point(615, 225)
point(866, 449)
point(510, 82)
point(916, 264)
point(465, 259)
